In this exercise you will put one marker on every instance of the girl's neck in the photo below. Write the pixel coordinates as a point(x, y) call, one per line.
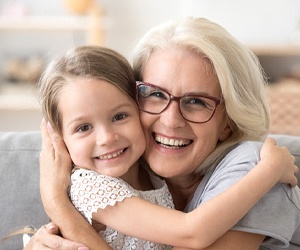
point(183, 189)
point(138, 178)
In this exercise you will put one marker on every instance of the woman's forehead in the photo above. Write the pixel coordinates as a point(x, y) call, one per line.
point(174, 68)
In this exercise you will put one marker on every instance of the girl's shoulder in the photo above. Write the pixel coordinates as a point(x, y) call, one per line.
point(90, 177)
point(90, 191)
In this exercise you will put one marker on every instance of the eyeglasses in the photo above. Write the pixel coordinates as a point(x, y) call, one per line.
point(193, 108)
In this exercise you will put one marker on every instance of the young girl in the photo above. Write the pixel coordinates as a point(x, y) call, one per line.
point(88, 96)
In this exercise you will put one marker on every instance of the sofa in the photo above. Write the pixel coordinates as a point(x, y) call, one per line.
point(20, 202)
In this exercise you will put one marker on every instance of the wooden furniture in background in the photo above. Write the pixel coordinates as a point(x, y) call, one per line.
point(284, 100)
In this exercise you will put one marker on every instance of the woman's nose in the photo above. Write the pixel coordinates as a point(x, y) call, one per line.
point(171, 116)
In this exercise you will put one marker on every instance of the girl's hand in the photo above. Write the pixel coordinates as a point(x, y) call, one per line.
point(55, 168)
point(47, 238)
point(280, 159)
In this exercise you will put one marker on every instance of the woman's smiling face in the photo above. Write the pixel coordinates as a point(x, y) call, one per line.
point(180, 72)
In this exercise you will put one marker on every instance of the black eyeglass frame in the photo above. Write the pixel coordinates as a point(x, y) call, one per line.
point(216, 100)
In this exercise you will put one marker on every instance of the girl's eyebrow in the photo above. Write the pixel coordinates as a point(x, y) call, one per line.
point(114, 109)
point(76, 119)
point(123, 105)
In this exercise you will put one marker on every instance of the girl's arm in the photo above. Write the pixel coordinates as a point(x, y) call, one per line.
point(203, 226)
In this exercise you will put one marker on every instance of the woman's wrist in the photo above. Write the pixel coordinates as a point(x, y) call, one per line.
point(55, 201)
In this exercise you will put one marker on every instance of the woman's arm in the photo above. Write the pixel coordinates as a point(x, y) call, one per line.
point(55, 171)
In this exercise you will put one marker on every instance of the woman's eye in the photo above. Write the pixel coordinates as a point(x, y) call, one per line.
point(158, 94)
point(119, 117)
point(84, 128)
point(198, 103)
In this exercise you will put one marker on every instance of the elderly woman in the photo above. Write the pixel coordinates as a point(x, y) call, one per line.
point(199, 156)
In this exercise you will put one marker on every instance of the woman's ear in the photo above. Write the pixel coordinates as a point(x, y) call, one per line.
point(226, 131)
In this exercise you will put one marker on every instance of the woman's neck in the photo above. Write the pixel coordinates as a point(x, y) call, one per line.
point(183, 189)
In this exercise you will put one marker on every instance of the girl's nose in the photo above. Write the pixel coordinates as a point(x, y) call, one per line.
point(106, 136)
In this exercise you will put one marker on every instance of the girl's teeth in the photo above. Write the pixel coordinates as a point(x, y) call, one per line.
point(110, 156)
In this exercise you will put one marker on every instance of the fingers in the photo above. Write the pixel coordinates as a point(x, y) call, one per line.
point(294, 182)
point(56, 139)
point(51, 137)
point(270, 140)
point(52, 228)
point(53, 146)
point(46, 238)
point(46, 141)
point(269, 145)
point(282, 160)
point(296, 170)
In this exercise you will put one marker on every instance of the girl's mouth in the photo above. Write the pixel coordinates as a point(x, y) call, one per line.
point(112, 155)
point(171, 142)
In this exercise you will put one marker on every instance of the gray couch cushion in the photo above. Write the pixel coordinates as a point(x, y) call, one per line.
point(20, 202)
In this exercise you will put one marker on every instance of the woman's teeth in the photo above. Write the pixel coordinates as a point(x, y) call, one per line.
point(167, 142)
point(110, 156)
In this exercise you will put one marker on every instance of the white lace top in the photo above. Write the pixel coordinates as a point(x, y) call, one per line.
point(90, 191)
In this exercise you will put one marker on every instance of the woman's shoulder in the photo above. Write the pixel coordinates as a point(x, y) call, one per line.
point(242, 156)
point(245, 148)
point(237, 162)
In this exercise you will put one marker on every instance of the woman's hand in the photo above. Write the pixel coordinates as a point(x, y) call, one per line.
point(55, 168)
point(281, 160)
point(47, 238)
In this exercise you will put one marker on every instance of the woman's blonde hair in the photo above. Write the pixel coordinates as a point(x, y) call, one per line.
point(92, 62)
point(237, 70)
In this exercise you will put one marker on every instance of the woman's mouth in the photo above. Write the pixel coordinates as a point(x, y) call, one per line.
point(112, 155)
point(171, 142)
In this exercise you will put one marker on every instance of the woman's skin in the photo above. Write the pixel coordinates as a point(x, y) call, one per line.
point(179, 72)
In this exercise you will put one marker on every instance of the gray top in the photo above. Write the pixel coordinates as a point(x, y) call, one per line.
point(276, 215)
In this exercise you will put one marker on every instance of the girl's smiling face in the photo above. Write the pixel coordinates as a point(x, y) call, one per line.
point(179, 72)
point(100, 126)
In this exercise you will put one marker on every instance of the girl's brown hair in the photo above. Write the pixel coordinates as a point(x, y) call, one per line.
point(92, 62)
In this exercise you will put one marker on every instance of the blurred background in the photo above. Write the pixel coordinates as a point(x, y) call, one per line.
point(32, 31)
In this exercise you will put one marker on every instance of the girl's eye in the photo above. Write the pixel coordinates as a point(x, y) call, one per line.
point(119, 117)
point(84, 128)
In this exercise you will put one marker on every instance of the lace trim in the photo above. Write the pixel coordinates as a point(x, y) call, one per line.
point(90, 191)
